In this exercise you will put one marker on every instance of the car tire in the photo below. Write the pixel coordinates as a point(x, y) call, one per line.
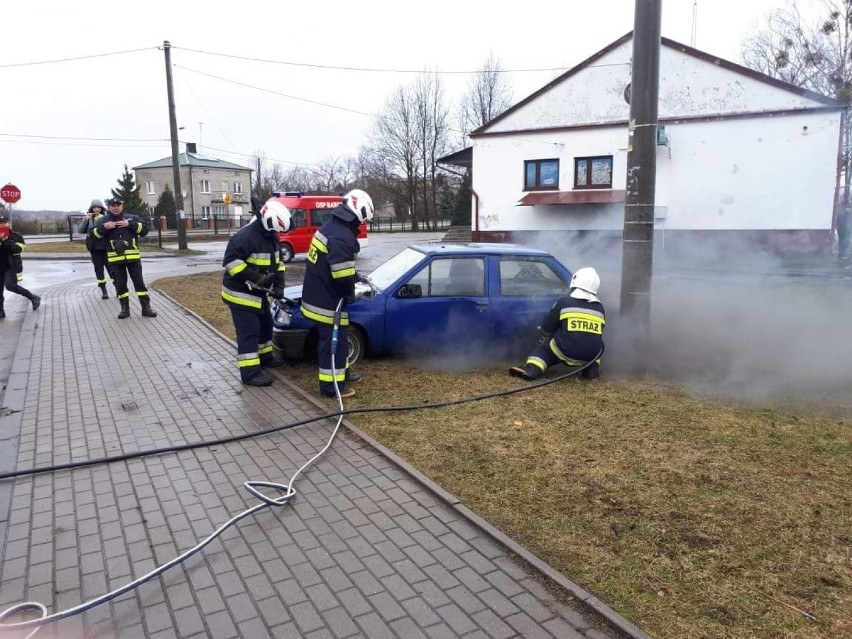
point(357, 344)
point(286, 253)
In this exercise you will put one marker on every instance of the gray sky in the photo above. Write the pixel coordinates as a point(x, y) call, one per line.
point(121, 99)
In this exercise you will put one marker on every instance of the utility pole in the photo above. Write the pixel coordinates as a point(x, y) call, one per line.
point(638, 247)
point(173, 130)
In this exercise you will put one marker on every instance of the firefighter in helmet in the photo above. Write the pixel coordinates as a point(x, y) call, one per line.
point(253, 269)
point(12, 266)
point(574, 327)
point(329, 278)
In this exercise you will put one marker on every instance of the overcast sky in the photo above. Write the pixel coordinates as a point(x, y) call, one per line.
point(119, 102)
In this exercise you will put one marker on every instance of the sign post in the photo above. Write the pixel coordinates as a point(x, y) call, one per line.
point(10, 194)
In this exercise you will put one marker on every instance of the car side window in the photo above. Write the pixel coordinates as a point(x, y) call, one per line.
point(456, 276)
point(530, 278)
point(298, 218)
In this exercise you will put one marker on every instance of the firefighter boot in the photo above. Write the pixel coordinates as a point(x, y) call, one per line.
point(125, 308)
point(147, 311)
point(2, 312)
point(104, 294)
point(528, 372)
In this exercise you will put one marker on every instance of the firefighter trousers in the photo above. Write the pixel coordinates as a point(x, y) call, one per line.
point(121, 271)
point(326, 377)
point(10, 283)
point(99, 261)
point(254, 339)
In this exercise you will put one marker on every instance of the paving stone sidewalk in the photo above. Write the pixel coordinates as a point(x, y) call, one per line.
point(368, 548)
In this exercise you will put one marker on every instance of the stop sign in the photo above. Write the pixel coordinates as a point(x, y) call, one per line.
point(10, 194)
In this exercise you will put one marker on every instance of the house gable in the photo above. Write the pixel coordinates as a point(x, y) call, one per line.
point(693, 84)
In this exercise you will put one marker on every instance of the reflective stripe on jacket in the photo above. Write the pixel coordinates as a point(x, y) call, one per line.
point(115, 237)
point(330, 267)
point(251, 253)
point(577, 327)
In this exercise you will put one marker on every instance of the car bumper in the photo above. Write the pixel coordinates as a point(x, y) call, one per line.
point(290, 343)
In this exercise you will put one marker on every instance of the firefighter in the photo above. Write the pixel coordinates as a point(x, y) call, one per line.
point(11, 265)
point(121, 233)
point(97, 248)
point(574, 327)
point(252, 263)
point(329, 278)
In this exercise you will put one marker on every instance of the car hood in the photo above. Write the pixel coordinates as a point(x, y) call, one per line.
point(293, 292)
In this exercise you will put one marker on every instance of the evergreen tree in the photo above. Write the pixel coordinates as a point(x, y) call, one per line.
point(129, 194)
point(166, 206)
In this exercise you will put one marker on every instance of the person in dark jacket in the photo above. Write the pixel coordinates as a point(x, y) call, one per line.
point(330, 281)
point(12, 266)
point(252, 263)
point(97, 248)
point(576, 324)
point(121, 233)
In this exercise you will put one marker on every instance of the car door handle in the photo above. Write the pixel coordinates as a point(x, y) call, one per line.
point(482, 305)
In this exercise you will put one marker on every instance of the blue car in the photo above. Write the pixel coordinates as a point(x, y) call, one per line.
point(439, 300)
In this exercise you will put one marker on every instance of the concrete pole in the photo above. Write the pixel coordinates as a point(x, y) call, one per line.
point(638, 246)
point(181, 214)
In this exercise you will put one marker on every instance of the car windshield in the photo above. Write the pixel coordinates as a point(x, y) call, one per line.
point(395, 267)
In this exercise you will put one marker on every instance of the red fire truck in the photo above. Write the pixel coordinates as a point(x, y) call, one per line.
point(307, 214)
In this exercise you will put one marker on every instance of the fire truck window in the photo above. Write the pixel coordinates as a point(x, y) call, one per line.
point(298, 218)
point(320, 216)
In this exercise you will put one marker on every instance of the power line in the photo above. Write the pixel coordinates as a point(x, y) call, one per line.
point(363, 69)
point(283, 95)
point(66, 137)
point(81, 57)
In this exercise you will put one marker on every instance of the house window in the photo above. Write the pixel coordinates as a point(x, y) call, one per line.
point(541, 175)
point(150, 187)
point(238, 188)
point(593, 173)
point(205, 212)
point(219, 211)
point(205, 186)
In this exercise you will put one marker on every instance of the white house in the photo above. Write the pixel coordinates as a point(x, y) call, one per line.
point(740, 156)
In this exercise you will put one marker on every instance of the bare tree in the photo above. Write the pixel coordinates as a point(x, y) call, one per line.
point(334, 174)
point(392, 154)
point(432, 117)
point(488, 94)
point(258, 161)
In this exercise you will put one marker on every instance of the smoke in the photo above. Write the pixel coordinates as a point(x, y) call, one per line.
point(734, 320)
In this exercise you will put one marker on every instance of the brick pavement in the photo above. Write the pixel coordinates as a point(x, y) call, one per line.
point(368, 548)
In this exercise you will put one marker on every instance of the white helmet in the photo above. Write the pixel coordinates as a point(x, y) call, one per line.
point(586, 280)
point(360, 204)
point(275, 217)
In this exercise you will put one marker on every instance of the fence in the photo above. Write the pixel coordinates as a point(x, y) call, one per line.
point(380, 225)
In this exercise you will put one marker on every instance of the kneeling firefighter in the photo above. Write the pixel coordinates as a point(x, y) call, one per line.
point(253, 263)
point(329, 278)
point(576, 324)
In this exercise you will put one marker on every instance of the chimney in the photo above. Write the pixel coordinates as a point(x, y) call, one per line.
point(190, 147)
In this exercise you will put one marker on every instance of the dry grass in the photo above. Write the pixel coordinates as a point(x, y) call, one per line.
point(690, 517)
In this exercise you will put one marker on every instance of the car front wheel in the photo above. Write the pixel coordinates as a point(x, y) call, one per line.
point(286, 253)
point(357, 344)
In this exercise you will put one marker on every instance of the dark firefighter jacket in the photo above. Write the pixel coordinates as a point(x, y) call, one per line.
point(10, 255)
point(330, 269)
point(577, 328)
point(121, 245)
point(252, 253)
point(87, 226)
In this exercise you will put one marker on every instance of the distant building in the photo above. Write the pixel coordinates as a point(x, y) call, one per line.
point(206, 180)
point(742, 158)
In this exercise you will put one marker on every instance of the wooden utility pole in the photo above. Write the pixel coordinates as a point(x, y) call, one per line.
point(638, 247)
point(173, 130)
